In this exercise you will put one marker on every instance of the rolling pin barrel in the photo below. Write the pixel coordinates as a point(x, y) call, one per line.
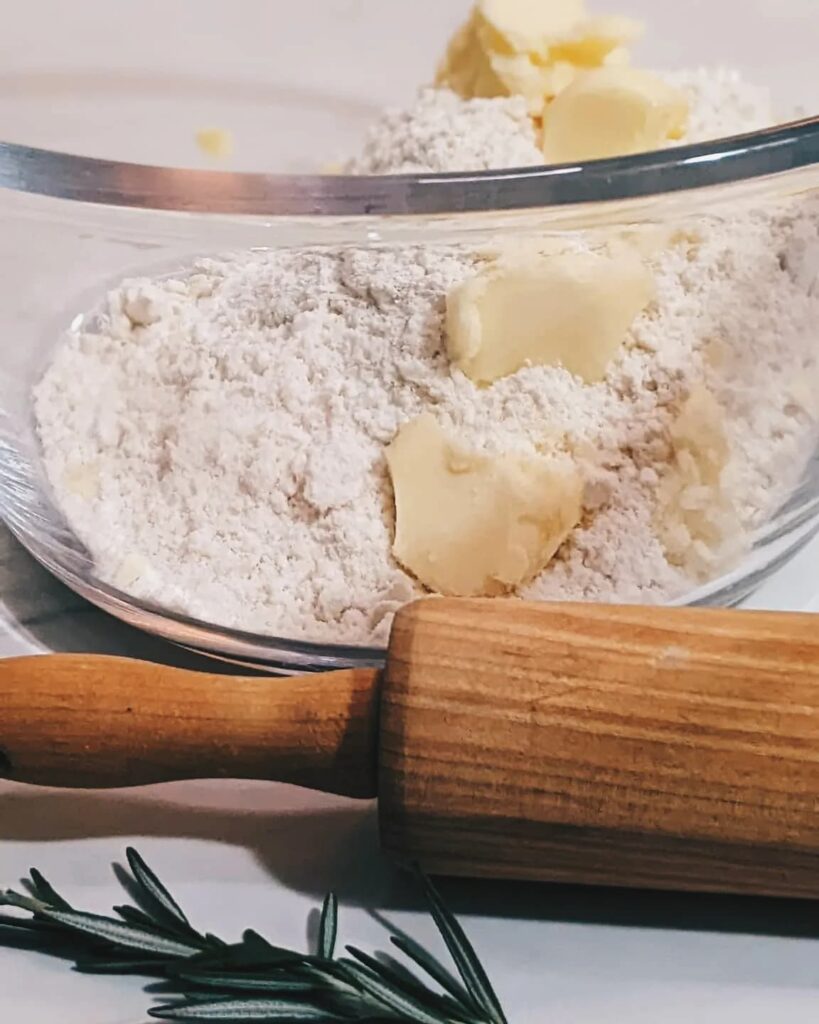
point(667, 748)
point(652, 747)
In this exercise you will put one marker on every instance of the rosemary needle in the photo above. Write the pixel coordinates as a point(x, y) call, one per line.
point(254, 980)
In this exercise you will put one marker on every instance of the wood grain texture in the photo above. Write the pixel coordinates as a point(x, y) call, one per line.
point(670, 748)
point(98, 722)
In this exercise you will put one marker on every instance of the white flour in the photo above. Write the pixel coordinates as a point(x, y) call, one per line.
point(216, 439)
point(441, 132)
point(722, 103)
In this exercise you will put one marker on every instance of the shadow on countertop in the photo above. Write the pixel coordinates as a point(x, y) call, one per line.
point(335, 845)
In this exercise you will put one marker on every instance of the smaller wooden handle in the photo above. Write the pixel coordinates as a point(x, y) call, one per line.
point(99, 722)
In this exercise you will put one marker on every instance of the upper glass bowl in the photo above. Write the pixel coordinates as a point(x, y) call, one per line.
point(100, 179)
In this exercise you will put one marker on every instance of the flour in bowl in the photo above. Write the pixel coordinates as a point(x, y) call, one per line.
point(442, 132)
point(216, 438)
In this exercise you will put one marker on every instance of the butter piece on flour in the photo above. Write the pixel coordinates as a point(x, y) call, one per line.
point(613, 111)
point(531, 48)
point(470, 525)
point(571, 309)
point(531, 26)
point(697, 522)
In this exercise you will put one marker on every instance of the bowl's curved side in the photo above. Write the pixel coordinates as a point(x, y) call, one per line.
point(701, 166)
point(28, 510)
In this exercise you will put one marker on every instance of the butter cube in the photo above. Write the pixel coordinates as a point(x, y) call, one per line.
point(470, 525)
point(699, 431)
point(519, 75)
point(530, 48)
point(531, 26)
point(215, 142)
point(467, 68)
point(697, 520)
point(571, 309)
point(613, 111)
point(598, 41)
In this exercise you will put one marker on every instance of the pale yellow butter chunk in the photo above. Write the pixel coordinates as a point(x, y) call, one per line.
point(466, 68)
point(698, 524)
point(531, 48)
point(519, 75)
point(699, 430)
point(572, 309)
point(215, 142)
point(532, 25)
point(613, 111)
point(471, 525)
point(598, 41)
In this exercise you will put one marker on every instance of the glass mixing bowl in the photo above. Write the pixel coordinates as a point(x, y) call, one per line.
point(123, 88)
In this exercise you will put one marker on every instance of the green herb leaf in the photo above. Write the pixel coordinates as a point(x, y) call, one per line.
point(390, 994)
point(392, 974)
point(247, 1010)
point(465, 958)
point(155, 890)
point(427, 962)
point(135, 916)
point(10, 898)
point(24, 924)
point(106, 966)
point(252, 952)
point(155, 939)
point(330, 976)
point(43, 891)
point(249, 982)
point(124, 936)
point(328, 927)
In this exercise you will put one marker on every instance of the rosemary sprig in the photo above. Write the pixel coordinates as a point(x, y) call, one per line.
point(254, 981)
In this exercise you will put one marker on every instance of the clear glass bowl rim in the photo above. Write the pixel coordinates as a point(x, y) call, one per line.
point(779, 153)
point(742, 158)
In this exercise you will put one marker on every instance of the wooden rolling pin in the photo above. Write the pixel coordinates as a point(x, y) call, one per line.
point(669, 748)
